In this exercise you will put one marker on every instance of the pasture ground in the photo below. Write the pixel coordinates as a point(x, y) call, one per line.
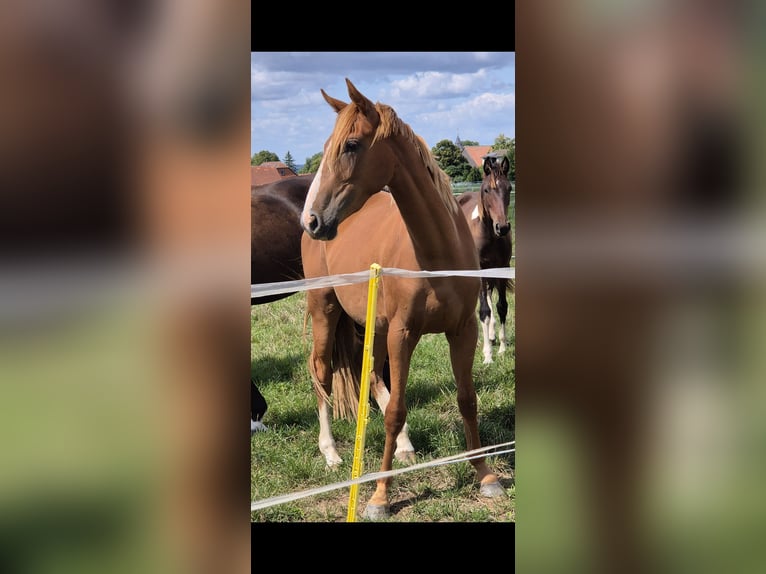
point(286, 458)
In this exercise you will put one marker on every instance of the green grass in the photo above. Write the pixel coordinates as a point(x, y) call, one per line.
point(286, 458)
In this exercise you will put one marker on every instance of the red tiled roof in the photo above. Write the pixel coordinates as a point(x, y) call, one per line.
point(269, 171)
point(473, 154)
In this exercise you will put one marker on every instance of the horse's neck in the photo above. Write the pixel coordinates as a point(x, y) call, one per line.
point(432, 227)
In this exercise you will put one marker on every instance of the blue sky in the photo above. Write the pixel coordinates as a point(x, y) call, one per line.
point(439, 94)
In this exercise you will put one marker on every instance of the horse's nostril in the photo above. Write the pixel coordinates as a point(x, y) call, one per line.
point(314, 222)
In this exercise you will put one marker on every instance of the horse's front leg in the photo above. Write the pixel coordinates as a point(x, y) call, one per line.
point(401, 344)
point(325, 312)
point(404, 452)
point(462, 346)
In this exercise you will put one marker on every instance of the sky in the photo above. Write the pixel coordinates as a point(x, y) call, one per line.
point(441, 95)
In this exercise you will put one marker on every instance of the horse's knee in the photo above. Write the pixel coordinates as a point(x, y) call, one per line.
point(394, 418)
point(467, 404)
point(484, 311)
point(502, 308)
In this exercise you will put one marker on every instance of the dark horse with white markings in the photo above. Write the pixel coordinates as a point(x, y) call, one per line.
point(487, 215)
point(418, 226)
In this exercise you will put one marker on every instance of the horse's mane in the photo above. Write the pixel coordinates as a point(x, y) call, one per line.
point(391, 125)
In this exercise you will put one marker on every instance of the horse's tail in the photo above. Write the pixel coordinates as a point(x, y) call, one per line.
point(347, 368)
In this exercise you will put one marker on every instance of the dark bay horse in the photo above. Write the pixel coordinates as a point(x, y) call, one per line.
point(275, 232)
point(418, 226)
point(487, 213)
point(275, 251)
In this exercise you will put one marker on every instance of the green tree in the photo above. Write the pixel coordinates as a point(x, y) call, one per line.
point(467, 143)
point(289, 161)
point(476, 174)
point(311, 164)
point(451, 160)
point(262, 157)
point(508, 145)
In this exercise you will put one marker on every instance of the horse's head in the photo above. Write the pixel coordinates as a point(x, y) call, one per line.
point(355, 165)
point(495, 194)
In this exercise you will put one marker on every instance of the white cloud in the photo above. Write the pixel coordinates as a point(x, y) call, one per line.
point(432, 85)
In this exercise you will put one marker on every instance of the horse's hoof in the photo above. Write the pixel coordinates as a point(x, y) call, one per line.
point(333, 460)
point(491, 490)
point(376, 512)
point(405, 456)
point(487, 360)
point(257, 426)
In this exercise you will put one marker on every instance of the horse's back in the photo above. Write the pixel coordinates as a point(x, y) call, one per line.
point(293, 188)
point(467, 198)
point(275, 240)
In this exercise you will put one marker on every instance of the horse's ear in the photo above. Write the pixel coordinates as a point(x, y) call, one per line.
point(337, 105)
point(487, 165)
point(505, 165)
point(363, 103)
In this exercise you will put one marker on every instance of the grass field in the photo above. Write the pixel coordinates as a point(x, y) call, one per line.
point(286, 458)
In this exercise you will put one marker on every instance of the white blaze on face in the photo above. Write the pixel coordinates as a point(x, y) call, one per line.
point(311, 196)
point(475, 213)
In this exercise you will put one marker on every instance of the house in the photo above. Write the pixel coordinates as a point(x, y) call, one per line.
point(475, 154)
point(269, 171)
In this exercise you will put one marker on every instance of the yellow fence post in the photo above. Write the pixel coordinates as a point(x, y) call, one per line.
point(364, 389)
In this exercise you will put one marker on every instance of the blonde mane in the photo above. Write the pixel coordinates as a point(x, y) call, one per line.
point(391, 125)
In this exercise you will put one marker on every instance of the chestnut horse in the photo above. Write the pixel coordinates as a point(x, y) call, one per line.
point(418, 226)
point(487, 214)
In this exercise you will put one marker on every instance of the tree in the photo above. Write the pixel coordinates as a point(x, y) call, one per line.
point(451, 160)
point(262, 157)
point(312, 163)
point(289, 161)
point(468, 143)
point(509, 146)
point(476, 174)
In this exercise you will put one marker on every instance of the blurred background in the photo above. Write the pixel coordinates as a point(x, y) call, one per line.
point(640, 298)
point(124, 340)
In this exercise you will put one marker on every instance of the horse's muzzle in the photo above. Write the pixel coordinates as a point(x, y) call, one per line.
point(319, 228)
point(501, 230)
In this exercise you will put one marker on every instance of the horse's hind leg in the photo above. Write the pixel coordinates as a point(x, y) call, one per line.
point(487, 320)
point(325, 311)
point(502, 313)
point(462, 347)
point(405, 452)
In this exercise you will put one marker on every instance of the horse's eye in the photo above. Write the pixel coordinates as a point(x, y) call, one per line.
point(351, 146)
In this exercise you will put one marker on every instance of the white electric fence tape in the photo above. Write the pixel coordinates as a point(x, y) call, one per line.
point(463, 457)
point(278, 287)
